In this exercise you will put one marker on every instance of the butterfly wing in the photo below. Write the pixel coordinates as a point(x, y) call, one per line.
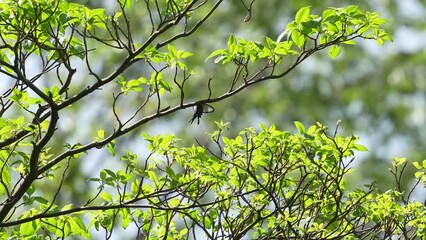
point(207, 108)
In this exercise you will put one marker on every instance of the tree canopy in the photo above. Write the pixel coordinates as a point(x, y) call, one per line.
point(87, 89)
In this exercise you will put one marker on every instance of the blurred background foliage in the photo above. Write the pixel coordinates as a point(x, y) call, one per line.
point(379, 93)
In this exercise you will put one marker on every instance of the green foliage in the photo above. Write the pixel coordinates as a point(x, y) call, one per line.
point(421, 171)
point(334, 27)
point(273, 184)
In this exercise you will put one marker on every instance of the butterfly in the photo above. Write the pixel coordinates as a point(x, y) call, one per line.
point(199, 110)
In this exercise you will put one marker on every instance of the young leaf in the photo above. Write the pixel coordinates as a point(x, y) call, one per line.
point(298, 38)
point(302, 15)
point(334, 51)
point(300, 127)
point(106, 196)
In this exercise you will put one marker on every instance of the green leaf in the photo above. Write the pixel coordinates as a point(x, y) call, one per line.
point(216, 52)
point(152, 175)
point(360, 147)
point(106, 196)
point(298, 38)
point(300, 127)
point(172, 51)
point(328, 13)
point(134, 85)
point(232, 44)
point(334, 51)
point(124, 177)
point(135, 186)
point(398, 161)
point(227, 141)
point(126, 3)
point(102, 175)
point(101, 134)
point(117, 15)
point(170, 172)
point(126, 218)
point(41, 200)
point(174, 202)
point(66, 207)
point(417, 165)
point(3, 190)
point(31, 190)
point(219, 59)
point(379, 21)
point(302, 15)
point(6, 176)
point(183, 233)
point(231, 41)
point(29, 228)
point(111, 148)
point(111, 173)
point(349, 42)
point(208, 222)
point(121, 81)
point(184, 54)
point(165, 85)
point(77, 227)
point(352, 10)
point(5, 130)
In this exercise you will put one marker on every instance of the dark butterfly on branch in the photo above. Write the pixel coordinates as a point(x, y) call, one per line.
point(199, 110)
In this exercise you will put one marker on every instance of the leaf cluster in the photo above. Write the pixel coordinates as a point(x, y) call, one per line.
point(263, 185)
point(334, 27)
